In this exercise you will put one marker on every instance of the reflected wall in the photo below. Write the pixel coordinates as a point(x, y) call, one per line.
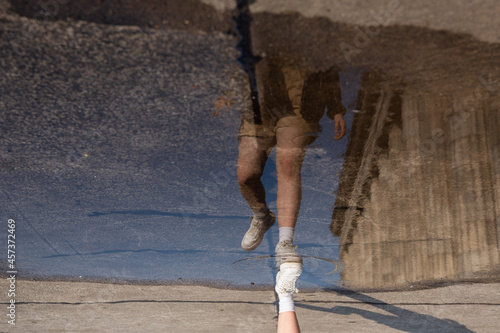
point(420, 203)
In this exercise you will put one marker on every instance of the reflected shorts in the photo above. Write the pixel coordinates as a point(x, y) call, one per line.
point(281, 106)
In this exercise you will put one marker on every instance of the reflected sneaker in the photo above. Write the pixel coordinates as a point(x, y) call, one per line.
point(253, 237)
point(286, 252)
point(286, 279)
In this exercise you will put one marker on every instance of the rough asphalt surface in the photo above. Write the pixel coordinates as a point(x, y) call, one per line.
point(110, 134)
point(119, 158)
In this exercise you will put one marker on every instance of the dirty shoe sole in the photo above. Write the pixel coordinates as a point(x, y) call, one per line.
point(286, 279)
point(285, 252)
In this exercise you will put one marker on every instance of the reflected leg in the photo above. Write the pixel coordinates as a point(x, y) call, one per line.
point(253, 154)
point(290, 152)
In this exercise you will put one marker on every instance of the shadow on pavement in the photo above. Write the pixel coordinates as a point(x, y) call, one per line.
point(398, 318)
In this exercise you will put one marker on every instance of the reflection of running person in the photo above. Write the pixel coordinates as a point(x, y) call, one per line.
point(292, 104)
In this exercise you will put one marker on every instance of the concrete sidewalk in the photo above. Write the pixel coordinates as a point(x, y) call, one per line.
point(93, 307)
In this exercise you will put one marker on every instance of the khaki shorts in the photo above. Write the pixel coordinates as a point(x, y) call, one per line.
point(268, 127)
point(280, 104)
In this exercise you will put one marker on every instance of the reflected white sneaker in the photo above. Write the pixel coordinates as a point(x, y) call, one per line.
point(253, 237)
point(286, 279)
point(286, 252)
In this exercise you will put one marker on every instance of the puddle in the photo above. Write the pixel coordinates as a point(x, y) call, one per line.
point(133, 154)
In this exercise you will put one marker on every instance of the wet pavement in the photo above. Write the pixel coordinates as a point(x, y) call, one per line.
point(108, 181)
point(120, 127)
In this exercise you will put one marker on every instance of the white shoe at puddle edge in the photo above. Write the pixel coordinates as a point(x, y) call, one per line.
point(286, 252)
point(253, 237)
point(286, 279)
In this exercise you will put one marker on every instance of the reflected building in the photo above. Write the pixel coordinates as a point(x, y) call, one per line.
point(418, 200)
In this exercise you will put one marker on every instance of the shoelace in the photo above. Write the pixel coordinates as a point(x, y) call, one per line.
point(288, 286)
point(255, 226)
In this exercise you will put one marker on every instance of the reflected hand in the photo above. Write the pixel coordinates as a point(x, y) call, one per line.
point(339, 126)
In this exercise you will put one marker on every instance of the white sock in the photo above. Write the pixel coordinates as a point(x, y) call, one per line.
point(286, 233)
point(286, 303)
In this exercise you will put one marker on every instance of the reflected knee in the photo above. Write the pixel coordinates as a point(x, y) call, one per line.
point(289, 168)
point(248, 177)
